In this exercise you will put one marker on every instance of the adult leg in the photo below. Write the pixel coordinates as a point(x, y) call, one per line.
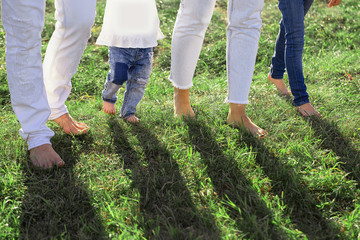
point(66, 46)
point(191, 24)
point(243, 35)
point(23, 22)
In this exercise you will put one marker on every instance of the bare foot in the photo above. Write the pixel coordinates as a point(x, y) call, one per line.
point(70, 126)
point(132, 119)
point(45, 157)
point(238, 118)
point(109, 108)
point(182, 103)
point(280, 85)
point(308, 110)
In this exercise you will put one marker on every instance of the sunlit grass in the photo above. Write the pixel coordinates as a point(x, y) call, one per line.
point(170, 178)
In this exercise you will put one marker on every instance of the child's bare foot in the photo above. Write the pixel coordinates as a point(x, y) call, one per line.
point(109, 108)
point(45, 157)
point(280, 85)
point(182, 103)
point(132, 119)
point(238, 118)
point(70, 126)
point(308, 110)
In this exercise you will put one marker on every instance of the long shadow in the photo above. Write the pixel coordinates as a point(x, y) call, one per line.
point(55, 205)
point(300, 203)
point(333, 139)
point(165, 203)
point(254, 218)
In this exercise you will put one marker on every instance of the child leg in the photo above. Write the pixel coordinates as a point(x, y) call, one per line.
point(293, 13)
point(277, 68)
point(117, 75)
point(139, 75)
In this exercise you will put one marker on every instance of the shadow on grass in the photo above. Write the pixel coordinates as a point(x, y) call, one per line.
point(165, 203)
point(333, 139)
point(250, 212)
point(300, 203)
point(56, 205)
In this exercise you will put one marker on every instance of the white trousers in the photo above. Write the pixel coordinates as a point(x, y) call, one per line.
point(23, 21)
point(243, 33)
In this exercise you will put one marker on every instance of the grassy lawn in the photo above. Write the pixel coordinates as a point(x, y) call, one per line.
point(168, 178)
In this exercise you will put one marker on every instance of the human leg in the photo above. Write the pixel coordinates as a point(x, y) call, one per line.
point(139, 75)
point(67, 44)
point(277, 68)
point(118, 74)
point(293, 13)
point(23, 22)
point(243, 35)
point(191, 24)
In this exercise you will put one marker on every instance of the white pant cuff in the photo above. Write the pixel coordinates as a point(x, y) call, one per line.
point(236, 102)
point(180, 87)
point(33, 143)
point(56, 114)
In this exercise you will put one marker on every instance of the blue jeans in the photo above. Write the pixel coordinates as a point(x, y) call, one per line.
point(130, 65)
point(289, 47)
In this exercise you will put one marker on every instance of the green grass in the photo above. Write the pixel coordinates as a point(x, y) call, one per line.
point(172, 178)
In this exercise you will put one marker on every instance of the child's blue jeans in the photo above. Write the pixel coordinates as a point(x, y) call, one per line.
point(130, 65)
point(289, 47)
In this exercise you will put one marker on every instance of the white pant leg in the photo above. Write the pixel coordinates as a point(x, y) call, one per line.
point(243, 35)
point(191, 24)
point(67, 44)
point(23, 22)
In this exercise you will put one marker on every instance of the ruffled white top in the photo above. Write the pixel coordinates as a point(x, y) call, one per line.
point(130, 24)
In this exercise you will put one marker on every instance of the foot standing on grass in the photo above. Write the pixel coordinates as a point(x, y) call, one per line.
point(243, 35)
point(288, 53)
point(23, 22)
point(131, 30)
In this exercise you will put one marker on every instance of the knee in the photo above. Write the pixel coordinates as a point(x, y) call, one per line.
point(119, 73)
point(81, 23)
point(295, 38)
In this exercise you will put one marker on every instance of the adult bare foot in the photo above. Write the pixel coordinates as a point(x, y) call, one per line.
point(132, 119)
point(109, 108)
point(45, 157)
point(308, 110)
point(280, 86)
point(238, 118)
point(182, 103)
point(70, 126)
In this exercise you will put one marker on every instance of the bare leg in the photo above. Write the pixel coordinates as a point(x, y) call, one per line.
point(280, 85)
point(70, 126)
point(109, 108)
point(132, 119)
point(238, 118)
point(308, 110)
point(45, 157)
point(182, 103)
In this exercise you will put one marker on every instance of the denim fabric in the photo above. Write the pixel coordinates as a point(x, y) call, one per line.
point(289, 47)
point(130, 65)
